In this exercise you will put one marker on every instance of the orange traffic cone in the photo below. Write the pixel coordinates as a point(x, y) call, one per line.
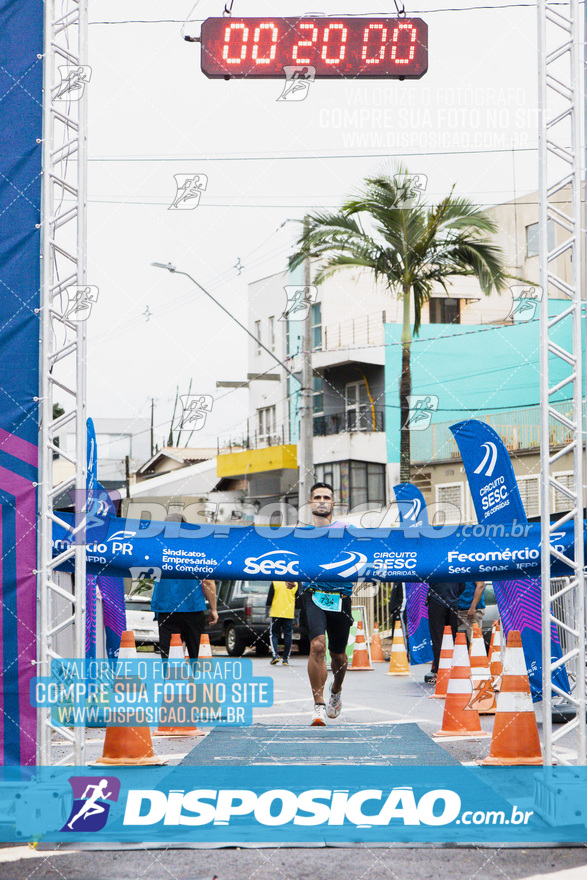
point(457, 719)
point(360, 654)
point(176, 653)
point(495, 658)
point(515, 732)
point(398, 662)
point(376, 649)
point(483, 698)
point(205, 648)
point(444, 664)
point(128, 745)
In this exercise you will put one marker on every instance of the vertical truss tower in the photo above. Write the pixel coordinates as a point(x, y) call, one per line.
point(61, 609)
point(560, 62)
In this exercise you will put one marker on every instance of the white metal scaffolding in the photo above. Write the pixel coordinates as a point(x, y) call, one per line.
point(560, 62)
point(61, 609)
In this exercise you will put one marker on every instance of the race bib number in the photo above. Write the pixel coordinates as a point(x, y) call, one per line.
point(327, 601)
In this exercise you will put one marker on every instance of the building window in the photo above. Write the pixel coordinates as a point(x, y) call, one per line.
point(354, 482)
point(445, 310)
point(316, 326)
point(561, 502)
point(449, 500)
point(272, 333)
point(532, 242)
point(318, 398)
point(357, 407)
point(258, 335)
point(530, 494)
point(267, 424)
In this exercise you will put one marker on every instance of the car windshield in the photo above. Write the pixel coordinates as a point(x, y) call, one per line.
point(255, 586)
point(138, 604)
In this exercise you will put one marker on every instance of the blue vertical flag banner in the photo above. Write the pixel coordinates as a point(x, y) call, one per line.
point(497, 500)
point(21, 80)
point(98, 505)
point(91, 510)
point(414, 514)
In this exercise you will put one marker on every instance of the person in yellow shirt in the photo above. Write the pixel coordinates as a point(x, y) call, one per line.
point(280, 605)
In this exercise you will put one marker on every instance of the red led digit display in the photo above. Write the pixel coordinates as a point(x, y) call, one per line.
point(352, 48)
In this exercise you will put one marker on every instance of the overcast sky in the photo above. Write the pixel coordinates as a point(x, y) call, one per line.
point(471, 120)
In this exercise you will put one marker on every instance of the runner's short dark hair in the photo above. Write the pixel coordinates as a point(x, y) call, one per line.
point(321, 486)
point(175, 517)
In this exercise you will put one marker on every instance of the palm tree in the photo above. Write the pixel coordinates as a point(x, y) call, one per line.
point(412, 248)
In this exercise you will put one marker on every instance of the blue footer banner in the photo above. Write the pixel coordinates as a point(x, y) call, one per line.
point(298, 804)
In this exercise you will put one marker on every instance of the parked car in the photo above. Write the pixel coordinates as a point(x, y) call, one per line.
point(141, 620)
point(242, 619)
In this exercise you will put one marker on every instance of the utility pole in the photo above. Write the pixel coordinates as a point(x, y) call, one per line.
point(152, 427)
point(306, 441)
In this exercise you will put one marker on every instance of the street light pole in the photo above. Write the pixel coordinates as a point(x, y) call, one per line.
point(171, 268)
point(306, 441)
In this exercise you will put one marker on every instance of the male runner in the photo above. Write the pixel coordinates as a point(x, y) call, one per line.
point(327, 607)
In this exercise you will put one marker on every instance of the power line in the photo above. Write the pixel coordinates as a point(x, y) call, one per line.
point(413, 13)
point(262, 157)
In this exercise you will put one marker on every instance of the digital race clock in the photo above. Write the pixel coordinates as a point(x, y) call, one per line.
point(352, 48)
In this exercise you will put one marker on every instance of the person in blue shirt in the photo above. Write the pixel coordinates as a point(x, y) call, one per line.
point(327, 609)
point(180, 607)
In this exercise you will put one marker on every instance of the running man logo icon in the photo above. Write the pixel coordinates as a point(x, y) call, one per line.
point(422, 406)
point(73, 82)
point(189, 189)
point(90, 807)
point(299, 301)
point(195, 409)
point(297, 82)
point(525, 300)
point(80, 299)
point(483, 696)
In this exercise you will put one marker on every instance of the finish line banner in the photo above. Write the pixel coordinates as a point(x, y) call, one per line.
point(323, 805)
point(177, 550)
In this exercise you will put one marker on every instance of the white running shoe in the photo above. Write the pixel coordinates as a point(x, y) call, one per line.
point(319, 719)
point(334, 705)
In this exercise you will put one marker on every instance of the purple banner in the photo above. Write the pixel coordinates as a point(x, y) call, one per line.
point(418, 630)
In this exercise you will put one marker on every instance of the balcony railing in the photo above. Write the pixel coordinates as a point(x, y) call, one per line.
point(519, 429)
point(346, 422)
point(363, 330)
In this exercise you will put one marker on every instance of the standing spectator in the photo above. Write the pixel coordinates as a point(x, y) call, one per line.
point(443, 605)
point(280, 607)
point(472, 606)
point(180, 607)
point(396, 608)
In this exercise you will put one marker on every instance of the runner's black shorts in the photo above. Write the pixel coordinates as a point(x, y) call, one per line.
point(336, 624)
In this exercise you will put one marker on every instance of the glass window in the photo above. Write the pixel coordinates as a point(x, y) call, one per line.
point(255, 587)
point(223, 590)
point(530, 495)
point(561, 502)
point(359, 494)
point(316, 326)
point(358, 407)
point(450, 500)
point(318, 395)
point(258, 335)
point(376, 483)
point(272, 333)
point(445, 310)
point(532, 243)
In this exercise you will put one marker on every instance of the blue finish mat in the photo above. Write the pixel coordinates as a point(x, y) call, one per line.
point(383, 744)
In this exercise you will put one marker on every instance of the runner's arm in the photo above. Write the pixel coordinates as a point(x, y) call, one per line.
point(209, 589)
